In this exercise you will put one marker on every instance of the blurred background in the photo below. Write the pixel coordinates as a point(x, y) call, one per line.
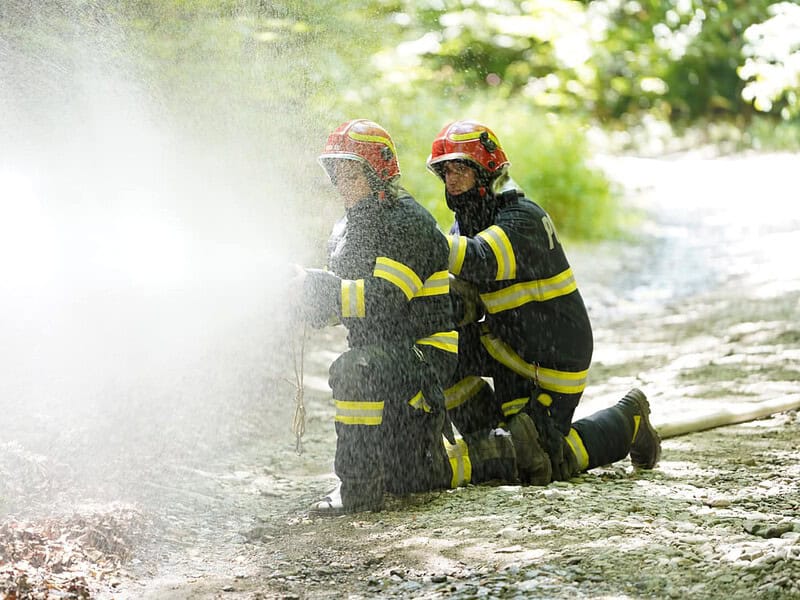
point(158, 174)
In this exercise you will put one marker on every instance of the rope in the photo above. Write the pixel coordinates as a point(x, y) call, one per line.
point(299, 421)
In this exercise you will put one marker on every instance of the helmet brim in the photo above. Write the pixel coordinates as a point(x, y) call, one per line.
point(326, 160)
point(435, 166)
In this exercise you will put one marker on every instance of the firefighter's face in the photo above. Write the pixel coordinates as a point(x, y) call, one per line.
point(458, 177)
point(350, 181)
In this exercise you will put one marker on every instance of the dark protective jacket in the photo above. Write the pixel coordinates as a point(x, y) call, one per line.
point(526, 285)
point(389, 282)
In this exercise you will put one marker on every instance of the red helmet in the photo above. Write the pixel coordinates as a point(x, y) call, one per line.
point(469, 141)
point(363, 141)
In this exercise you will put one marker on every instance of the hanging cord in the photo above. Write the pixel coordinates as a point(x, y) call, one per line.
point(299, 421)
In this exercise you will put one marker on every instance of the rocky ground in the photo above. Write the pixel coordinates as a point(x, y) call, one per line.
point(701, 311)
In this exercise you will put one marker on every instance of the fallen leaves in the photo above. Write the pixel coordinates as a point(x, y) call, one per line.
point(67, 557)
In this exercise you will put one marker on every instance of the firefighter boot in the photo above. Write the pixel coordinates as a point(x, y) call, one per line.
point(350, 497)
point(492, 456)
point(646, 445)
point(533, 463)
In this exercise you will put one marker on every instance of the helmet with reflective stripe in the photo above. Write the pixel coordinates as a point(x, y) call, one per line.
point(468, 141)
point(366, 142)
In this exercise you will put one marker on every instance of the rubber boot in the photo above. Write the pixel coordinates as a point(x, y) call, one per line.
point(350, 497)
point(646, 444)
point(611, 434)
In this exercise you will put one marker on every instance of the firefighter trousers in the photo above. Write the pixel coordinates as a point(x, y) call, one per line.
point(389, 418)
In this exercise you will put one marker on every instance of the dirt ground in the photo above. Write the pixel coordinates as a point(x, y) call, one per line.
point(693, 311)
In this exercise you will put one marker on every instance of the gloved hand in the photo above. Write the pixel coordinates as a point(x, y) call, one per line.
point(552, 440)
point(533, 461)
point(319, 300)
point(467, 305)
point(433, 393)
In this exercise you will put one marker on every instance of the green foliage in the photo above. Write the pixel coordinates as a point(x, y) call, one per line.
point(288, 71)
point(764, 133)
point(609, 59)
point(772, 66)
point(549, 158)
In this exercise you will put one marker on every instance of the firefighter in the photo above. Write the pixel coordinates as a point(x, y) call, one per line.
point(387, 282)
point(522, 320)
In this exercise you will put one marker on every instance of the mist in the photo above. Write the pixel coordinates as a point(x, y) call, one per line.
point(144, 254)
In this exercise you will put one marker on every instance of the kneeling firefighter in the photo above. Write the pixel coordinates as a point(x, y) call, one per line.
point(388, 284)
point(522, 322)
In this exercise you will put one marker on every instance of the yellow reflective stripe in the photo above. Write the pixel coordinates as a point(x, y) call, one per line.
point(458, 251)
point(512, 407)
point(444, 340)
point(462, 391)
point(578, 449)
point(418, 402)
point(438, 283)
point(539, 290)
point(398, 274)
point(637, 420)
point(503, 252)
point(360, 137)
point(353, 298)
point(473, 135)
point(354, 412)
point(563, 382)
point(503, 354)
point(460, 463)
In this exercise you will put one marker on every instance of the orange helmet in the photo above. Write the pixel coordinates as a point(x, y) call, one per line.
point(363, 141)
point(468, 141)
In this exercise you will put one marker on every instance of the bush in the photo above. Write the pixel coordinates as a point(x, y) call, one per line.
point(548, 154)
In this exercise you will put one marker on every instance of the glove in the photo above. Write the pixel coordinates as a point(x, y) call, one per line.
point(433, 393)
point(533, 461)
point(467, 305)
point(551, 439)
point(319, 303)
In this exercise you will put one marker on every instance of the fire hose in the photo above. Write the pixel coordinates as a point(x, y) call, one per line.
point(729, 416)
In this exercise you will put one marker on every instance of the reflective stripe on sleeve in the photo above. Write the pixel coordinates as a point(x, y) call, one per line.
point(563, 382)
point(353, 412)
point(539, 290)
point(353, 298)
point(460, 463)
point(436, 284)
point(398, 274)
point(578, 449)
point(444, 340)
point(503, 252)
point(512, 407)
point(458, 251)
point(462, 391)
